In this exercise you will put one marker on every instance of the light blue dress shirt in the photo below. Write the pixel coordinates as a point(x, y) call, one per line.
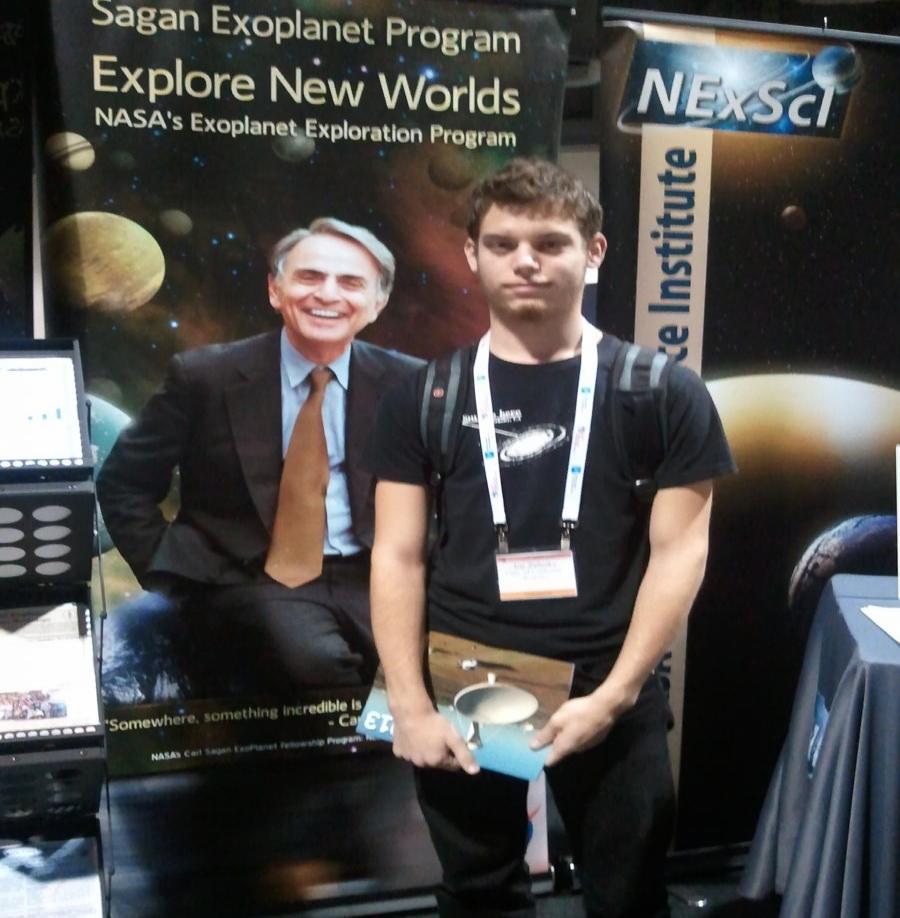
point(295, 370)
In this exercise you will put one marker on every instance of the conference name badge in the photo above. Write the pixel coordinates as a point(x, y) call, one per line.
point(536, 575)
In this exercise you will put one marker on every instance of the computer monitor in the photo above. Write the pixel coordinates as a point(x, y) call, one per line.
point(43, 412)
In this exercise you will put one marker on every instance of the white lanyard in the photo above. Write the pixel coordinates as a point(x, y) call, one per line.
point(581, 429)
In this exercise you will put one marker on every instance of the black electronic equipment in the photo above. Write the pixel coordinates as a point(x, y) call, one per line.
point(46, 492)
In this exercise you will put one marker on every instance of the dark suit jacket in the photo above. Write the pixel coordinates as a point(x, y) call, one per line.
point(217, 418)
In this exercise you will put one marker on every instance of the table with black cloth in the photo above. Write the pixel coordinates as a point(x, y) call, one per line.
point(828, 837)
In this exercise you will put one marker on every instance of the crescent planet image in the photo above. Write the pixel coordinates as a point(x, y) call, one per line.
point(804, 423)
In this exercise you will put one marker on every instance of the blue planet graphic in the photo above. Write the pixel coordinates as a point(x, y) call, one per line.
point(107, 422)
point(837, 66)
point(859, 545)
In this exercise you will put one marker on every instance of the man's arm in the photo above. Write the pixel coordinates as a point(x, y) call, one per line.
point(137, 474)
point(679, 538)
point(421, 735)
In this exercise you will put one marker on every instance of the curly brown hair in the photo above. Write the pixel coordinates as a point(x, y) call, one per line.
point(533, 184)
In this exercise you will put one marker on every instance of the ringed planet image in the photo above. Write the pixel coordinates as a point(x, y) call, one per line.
point(530, 443)
point(70, 151)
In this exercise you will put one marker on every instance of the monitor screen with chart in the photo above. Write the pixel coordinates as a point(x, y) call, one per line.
point(42, 410)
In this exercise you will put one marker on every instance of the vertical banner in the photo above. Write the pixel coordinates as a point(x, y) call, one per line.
point(672, 246)
point(750, 185)
point(178, 144)
point(673, 234)
point(672, 241)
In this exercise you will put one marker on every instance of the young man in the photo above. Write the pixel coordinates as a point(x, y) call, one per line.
point(533, 232)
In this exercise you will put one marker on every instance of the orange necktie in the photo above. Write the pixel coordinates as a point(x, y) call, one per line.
point(295, 554)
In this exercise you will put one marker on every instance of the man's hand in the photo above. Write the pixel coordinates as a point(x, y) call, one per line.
point(679, 537)
point(429, 741)
point(421, 735)
point(578, 724)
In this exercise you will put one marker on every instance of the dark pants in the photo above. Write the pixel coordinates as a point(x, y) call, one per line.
point(616, 801)
point(277, 639)
point(262, 638)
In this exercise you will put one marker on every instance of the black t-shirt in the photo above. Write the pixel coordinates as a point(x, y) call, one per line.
point(534, 407)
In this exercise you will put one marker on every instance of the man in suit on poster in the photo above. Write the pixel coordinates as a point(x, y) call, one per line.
point(255, 616)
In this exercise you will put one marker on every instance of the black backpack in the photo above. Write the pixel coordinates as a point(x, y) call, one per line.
point(636, 401)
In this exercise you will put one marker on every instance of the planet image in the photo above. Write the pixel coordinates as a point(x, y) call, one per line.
point(176, 222)
point(70, 151)
point(294, 148)
point(815, 456)
point(452, 169)
point(107, 422)
point(860, 545)
point(106, 388)
point(140, 662)
point(837, 66)
point(807, 425)
point(529, 443)
point(794, 217)
point(103, 261)
point(122, 160)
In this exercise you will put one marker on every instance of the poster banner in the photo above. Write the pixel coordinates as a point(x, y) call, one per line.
point(179, 144)
point(750, 186)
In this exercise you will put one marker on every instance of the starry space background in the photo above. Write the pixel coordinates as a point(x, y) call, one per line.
point(240, 194)
point(800, 351)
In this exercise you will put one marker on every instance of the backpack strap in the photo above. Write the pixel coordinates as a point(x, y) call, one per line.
point(637, 402)
point(442, 404)
point(638, 420)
